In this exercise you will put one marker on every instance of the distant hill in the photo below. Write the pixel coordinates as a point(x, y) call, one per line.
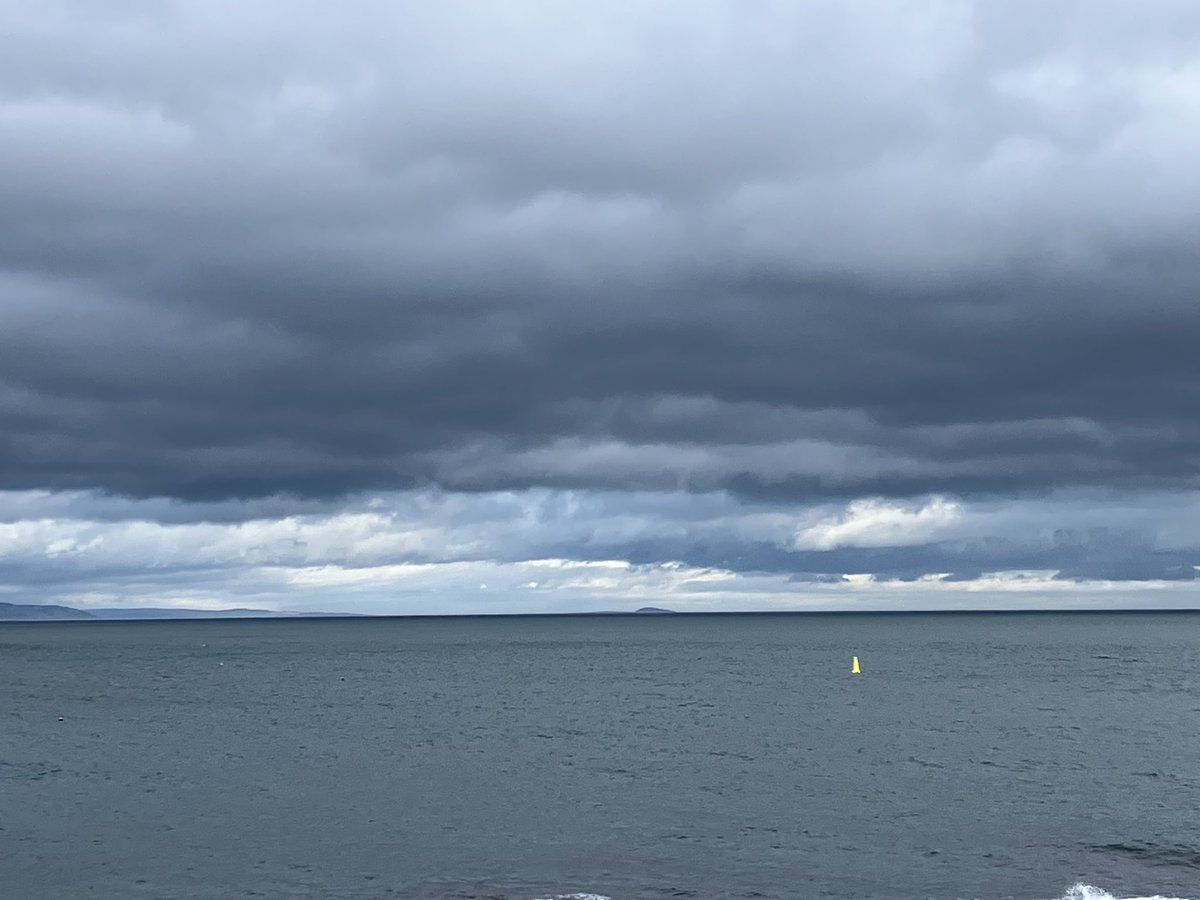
point(38, 612)
point(34, 612)
point(645, 610)
point(150, 612)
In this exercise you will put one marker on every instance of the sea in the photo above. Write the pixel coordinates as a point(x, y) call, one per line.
point(632, 757)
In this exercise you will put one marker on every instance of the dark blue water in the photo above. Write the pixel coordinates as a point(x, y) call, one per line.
point(630, 757)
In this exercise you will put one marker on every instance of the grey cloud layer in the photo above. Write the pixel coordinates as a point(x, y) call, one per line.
point(787, 250)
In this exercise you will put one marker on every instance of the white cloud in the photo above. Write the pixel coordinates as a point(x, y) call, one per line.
point(548, 551)
point(880, 523)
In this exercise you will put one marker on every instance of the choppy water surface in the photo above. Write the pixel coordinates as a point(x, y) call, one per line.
point(626, 757)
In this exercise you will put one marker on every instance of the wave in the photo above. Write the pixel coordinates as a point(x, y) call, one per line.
point(1180, 855)
point(1088, 892)
point(1078, 891)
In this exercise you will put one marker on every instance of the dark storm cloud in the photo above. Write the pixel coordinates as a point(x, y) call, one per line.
point(789, 250)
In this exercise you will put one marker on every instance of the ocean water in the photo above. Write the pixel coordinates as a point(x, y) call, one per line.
point(977, 756)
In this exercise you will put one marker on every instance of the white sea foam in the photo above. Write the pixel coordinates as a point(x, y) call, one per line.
point(1076, 892)
point(1088, 892)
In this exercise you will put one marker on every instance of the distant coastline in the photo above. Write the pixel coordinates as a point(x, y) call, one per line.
point(34, 612)
point(38, 612)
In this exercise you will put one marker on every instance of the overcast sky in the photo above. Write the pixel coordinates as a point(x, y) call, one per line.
point(552, 306)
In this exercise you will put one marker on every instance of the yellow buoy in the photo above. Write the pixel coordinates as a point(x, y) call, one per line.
point(854, 669)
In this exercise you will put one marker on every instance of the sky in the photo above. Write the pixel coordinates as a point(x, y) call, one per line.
point(564, 306)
